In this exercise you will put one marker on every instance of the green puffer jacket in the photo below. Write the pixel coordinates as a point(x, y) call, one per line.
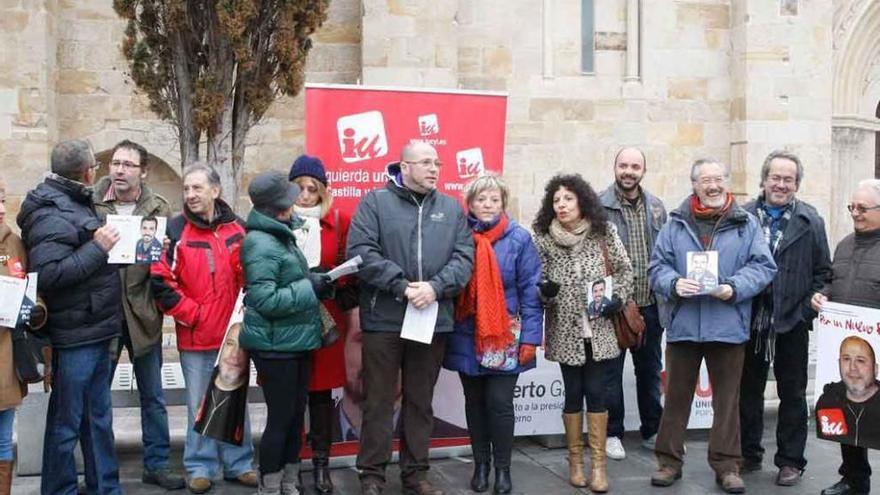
point(282, 313)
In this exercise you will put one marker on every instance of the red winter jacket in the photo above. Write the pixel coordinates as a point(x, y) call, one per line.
point(198, 278)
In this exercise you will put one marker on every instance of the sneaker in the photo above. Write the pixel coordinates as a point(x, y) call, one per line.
point(788, 476)
point(665, 476)
point(199, 485)
point(650, 443)
point(163, 478)
point(614, 449)
point(731, 483)
point(248, 479)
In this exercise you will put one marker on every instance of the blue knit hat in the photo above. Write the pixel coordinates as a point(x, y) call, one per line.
point(310, 166)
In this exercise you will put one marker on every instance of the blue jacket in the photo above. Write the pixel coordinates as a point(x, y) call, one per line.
point(521, 271)
point(744, 261)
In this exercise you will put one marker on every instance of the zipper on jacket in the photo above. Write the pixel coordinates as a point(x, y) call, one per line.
point(419, 239)
point(858, 419)
point(373, 301)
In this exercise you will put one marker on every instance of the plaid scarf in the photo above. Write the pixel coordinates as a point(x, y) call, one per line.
point(773, 222)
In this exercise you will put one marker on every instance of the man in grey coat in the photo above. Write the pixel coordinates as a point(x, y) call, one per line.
point(417, 250)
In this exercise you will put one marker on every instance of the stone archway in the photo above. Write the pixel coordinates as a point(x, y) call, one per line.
point(161, 178)
point(855, 115)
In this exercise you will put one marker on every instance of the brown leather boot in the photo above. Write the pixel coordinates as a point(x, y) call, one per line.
point(574, 435)
point(597, 432)
point(5, 477)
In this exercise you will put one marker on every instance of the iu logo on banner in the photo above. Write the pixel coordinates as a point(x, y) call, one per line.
point(470, 163)
point(429, 125)
point(362, 136)
point(832, 422)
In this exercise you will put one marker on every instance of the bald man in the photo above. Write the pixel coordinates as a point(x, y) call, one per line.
point(417, 250)
point(638, 216)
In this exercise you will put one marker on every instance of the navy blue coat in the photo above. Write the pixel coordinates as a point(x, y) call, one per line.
point(82, 292)
point(520, 270)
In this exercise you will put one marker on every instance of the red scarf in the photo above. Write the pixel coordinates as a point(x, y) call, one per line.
point(704, 212)
point(484, 295)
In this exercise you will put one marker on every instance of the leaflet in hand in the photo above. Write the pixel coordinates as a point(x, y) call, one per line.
point(29, 301)
point(12, 291)
point(702, 267)
point(600, 296)
point(140, 239)
point(347, 268)
point(418, 324)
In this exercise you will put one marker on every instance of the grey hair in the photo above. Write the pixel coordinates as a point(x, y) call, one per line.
point(785, 155)
point(70, 159)
point(486, 182)
point(695, 168)
point(209, 171)
point(873, 185)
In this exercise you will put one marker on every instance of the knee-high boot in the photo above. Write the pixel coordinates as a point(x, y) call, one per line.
point(597, 432)
point(321, 421)
point(574, 435)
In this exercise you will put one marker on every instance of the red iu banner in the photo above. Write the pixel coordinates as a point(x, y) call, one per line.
point(357, 130)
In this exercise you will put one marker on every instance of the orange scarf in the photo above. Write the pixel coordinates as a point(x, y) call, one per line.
point(701, 211)
point(484, 295)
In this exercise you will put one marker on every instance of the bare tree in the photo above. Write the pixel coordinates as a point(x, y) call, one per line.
point(213, 67)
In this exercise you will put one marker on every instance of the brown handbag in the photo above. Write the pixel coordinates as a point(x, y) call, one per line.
point(629, 325)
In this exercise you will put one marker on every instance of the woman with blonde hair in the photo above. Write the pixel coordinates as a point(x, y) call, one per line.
point(498, 326)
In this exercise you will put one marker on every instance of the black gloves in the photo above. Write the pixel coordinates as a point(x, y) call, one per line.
point(549, 289)
point(322, 285)
point(613, 307)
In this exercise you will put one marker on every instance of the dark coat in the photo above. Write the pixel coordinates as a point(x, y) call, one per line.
point(856, 271)
point(803, 264)
point(402, 240)
point(282, 312)
point(654, 209)
point(141, 313)
point(58, 224)
point(520, 271)
point(841, 420)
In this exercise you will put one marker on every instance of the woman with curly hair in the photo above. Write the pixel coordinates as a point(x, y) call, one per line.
point(574, 237)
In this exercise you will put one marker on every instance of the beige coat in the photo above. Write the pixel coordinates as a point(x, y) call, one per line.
point(574, 269)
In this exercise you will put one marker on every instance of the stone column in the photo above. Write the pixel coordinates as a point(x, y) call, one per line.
point(633, 41)
point(851, 162)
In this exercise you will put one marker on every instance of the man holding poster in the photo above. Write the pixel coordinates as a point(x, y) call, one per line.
point(125, 192)
point(417, 252)
point(854, 282)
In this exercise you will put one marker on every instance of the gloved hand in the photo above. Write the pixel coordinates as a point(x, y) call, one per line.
point(613, 307)
point(319, 269)
point(526, 354)
point(549, 289)
point(322, 285)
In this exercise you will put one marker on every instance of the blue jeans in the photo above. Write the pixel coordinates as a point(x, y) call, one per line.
point(6, 418)
point(647, 364)
point(202, 455)
point(80, 410)
point(154, 415)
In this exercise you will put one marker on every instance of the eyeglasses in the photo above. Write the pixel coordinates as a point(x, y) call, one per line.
point(776, 179)
point(705, 181)
point(859, 209)
point(124, 164)
point(426, 163)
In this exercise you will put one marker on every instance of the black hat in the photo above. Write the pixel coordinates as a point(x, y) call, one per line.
point(271, 191)
point(309, 166)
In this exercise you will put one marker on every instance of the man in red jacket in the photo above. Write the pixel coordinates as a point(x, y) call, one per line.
point(196, 282)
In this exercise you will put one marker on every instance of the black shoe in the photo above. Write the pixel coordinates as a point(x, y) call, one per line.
point(321, 475)
point(503, 485)
point(843, 487)
point(480, 480)
point(163, 478)
point(751, 465)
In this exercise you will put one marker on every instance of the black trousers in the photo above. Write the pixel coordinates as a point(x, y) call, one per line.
point(386, 356)
point(790, 368)
point(285, 384)
point(488, 406)
point(585, 382)
point(855, 468)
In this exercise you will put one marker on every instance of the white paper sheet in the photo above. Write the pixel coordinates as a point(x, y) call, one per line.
point(418, 324)
point(12, 291)
point(347, 268)
point(139, 242)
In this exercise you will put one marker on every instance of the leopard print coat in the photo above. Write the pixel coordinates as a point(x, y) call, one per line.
point(574, 269)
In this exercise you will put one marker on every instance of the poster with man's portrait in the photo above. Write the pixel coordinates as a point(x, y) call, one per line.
point(140, 239)
point(848, 405)
point(702, 267)
point(600, 296)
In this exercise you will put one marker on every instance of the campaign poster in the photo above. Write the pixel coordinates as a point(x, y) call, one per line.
point(358, 130)
point(702, 267)
point(848, 405)
point(140, 239)
point(600, 296)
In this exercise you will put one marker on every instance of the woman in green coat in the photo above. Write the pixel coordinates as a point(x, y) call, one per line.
point(282, 324)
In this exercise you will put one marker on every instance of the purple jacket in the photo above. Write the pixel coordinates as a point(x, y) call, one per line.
point(521, 271)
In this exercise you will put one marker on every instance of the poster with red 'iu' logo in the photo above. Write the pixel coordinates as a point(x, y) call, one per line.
point(358, 130)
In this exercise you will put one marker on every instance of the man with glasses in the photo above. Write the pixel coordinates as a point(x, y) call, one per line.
point(855, 281)
point(124, 192)
point(417, 252)
point(68, 248)
point(710, 326)
point(781, 317)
